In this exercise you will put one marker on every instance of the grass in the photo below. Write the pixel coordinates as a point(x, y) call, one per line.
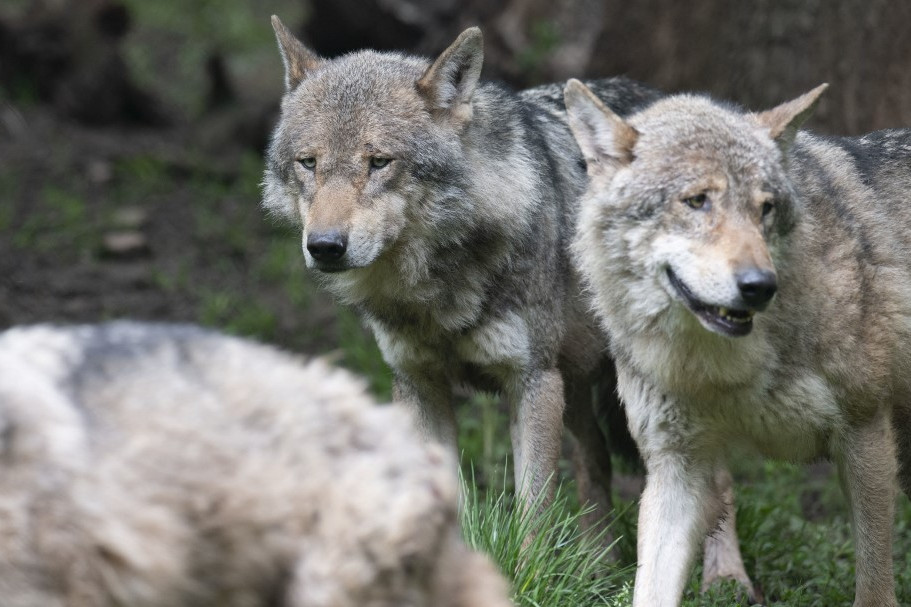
point(243, 316)
point(798, 561)
point(361, 354)
point(483, 424)
point(796, 534)
point(60, 220)
point(560, 566)
point(796, 539)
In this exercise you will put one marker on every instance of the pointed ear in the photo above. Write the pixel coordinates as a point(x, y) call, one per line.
point(784, 120)
point(298, 59)
point(606, 140)
point(449, 83)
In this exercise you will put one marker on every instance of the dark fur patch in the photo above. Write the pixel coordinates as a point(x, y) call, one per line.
point(834, 202)
point(110, 347)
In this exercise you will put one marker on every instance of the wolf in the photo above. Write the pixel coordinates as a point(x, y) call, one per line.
point(167, 465)
point(441, 209)
point(755, 283)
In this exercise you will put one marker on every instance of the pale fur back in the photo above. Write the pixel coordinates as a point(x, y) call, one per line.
point(171, 466)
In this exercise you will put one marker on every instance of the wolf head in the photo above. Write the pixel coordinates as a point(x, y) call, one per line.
point(360, 140)
point(686, 205)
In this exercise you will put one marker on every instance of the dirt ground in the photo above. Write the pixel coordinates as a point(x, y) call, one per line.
point(129, 222)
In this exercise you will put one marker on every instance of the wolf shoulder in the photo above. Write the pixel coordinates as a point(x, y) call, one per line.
point(871, 173)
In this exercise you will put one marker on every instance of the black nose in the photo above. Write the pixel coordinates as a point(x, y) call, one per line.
point(327, 246)
point(756, 287)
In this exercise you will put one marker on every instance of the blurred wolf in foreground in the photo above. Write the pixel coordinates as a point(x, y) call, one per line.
point(159, 466)
point(441, 208)
point(756, 287)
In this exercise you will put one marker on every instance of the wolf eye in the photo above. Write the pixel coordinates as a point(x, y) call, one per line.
point(695, 202)
point(378, 162)
point(308, 162)
point(767, 207)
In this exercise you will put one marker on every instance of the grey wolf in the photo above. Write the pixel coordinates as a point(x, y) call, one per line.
point(441, 208)
point(156, 465)
point(755, 282)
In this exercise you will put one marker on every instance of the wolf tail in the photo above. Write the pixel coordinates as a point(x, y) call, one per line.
point(901, 424)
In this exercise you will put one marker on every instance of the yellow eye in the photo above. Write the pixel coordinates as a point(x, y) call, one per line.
point(695, 202)
point(308, 162)
point(378, 162)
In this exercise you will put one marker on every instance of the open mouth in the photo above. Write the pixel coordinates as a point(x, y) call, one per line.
point(726, 321)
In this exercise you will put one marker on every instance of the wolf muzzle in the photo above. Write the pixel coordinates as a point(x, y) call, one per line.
point(327, 246)
point(757, 287)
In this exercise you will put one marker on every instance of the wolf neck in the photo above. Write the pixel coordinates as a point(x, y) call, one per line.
point(470, 235)
point(692, 360)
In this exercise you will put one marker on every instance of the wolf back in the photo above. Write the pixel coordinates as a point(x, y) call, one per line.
point(153, 464)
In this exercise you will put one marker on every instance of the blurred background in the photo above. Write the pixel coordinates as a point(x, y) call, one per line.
point(131, 140)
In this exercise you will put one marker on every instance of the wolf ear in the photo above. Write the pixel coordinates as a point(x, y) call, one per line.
point(298, 59)
point(606, 140)
point(784, 120)
point(449, 83)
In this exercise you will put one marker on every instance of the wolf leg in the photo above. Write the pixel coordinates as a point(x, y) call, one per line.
point(536, 428)
point(722, 559)
point(431, 401)
point(866, 464)
point(677, 506)
point(591, 457)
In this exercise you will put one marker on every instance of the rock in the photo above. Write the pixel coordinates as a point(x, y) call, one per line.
point(125, 244)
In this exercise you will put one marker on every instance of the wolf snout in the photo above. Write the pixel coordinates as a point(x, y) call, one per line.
point(327, 246)
point(757, 287)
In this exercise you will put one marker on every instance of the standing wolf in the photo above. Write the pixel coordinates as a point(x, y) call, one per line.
point(442, 209)
point(756, 287)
